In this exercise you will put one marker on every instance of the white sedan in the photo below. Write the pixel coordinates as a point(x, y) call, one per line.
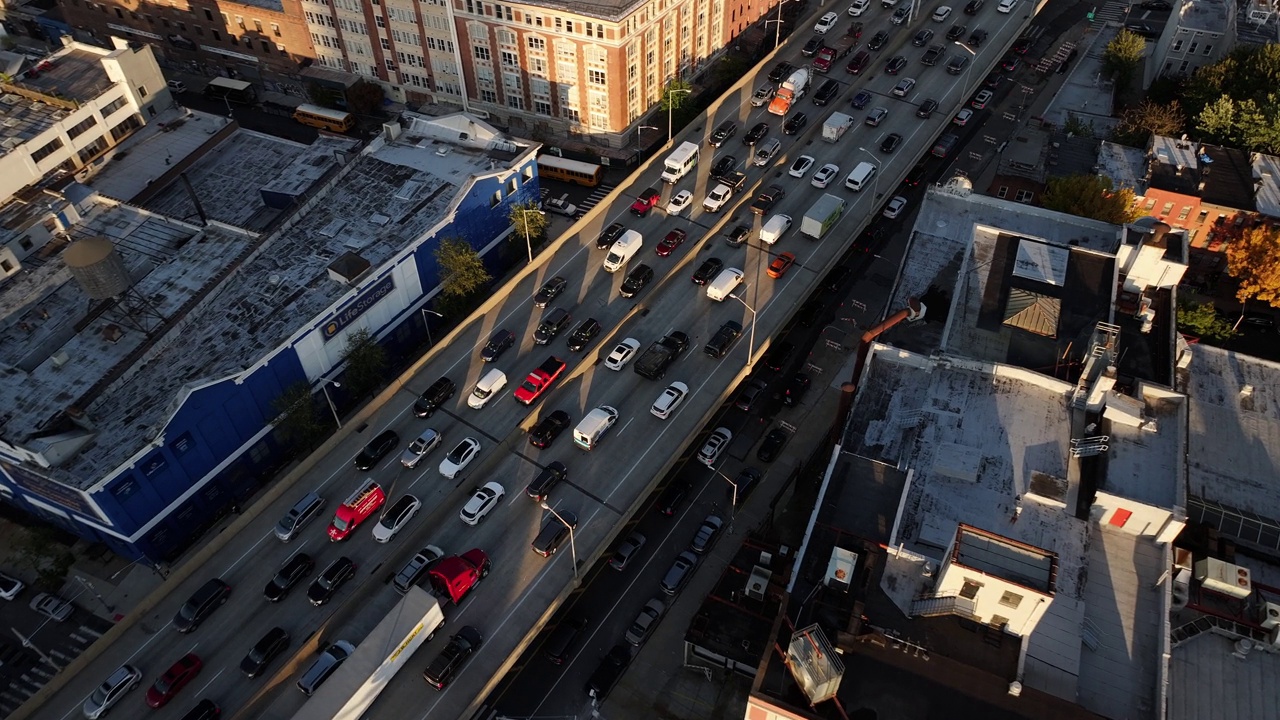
point(459, 457)
point(51, 606)
point(482, 503)
point(825, 175)
point(669, 400)
point(622, 354)
point(800, 166)
point(962, 118)
point(561, 206)
point(393, 520)
point(679, 202)
point(942, 13)
point(895, 207)
point(715, 446)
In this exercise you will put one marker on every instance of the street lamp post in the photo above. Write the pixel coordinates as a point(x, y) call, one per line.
point(875, 187)
point(751, 342)
point(332, 408)
point(973, 59)
point(573, 548)
point(733, 508)
point(426, 312)
point(777, 25)
point(671, 106)
point(639, 129)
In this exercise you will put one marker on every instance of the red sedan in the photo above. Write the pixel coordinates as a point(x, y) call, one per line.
point(781, 265)
point(671, 242)
point(173, 680)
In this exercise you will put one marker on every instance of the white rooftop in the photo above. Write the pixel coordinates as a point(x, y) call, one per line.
point(1234, 430)
point(130, 167)
point(1126, 166)
point(1266, 177)
point(220, 322)
point(1204, 15)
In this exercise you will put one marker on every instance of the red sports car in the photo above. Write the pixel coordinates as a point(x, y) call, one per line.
point(173, 680)
point(671, 242)
point(781, 265)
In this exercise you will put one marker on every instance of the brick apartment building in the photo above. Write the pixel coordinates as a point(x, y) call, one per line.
point(583, 70)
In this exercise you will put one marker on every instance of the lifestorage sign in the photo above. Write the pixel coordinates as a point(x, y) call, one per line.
point(358, 307)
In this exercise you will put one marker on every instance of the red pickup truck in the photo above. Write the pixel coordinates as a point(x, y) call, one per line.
point(539, 380)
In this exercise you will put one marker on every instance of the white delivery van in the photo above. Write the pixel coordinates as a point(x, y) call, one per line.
point(726, 282)
point(679, 162)
point(861, 175)
point(774, 228)
point(593, 427)
point(491, 384)
point(622, 250)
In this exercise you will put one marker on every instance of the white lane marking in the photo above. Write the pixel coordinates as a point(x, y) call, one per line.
point(252, 548)
point(624, 427)
point(206, 685)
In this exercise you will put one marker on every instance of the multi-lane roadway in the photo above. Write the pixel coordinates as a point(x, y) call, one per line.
point(606, 485)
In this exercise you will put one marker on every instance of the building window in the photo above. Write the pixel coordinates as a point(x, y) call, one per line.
point(275, 29)
point(596, 77)
point(1002, 192)
point(386, 44)
point(208, 14)
point(496, 199)
point(240, 22)
point(50, 148)
point(79, 128)
point(1010, 599)
point(571, 115)
point(1177, 46)
point(1024, 196)
point(113, 106)
point(1183, 67)
point(482, 53)
point(515, 101)
point(537, 44)
point(488, 96)
point(1186, 210)
point(970, 589)
point(266, 47)
point(1208, 49)
point(257, 25)
point(216, 35)
point(510, 59)
point(542, 107)
point(1192, 49)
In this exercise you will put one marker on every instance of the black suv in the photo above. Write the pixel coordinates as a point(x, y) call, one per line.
point(777, 355)
point(878, 40)
point(737, 236)
point(563, 638)
point(295, 568)
point(267, 649)
point(707, 270)
point(915, 175)
point(552, 288)
point(723, 131)
point(670, 499)
point(608, 672)
point(499, 342)
point(460, 647)
point(609, 236)
point(554, 532)
point(780, 72)
point(582, 335)
point(826, 92)
point(755, 134)
point(636, 280)
point(323, 588)
point(551, 325)
point(201, 605)
point(436, 395)
point(548, 429)
point(725, 165)
point(551, 475)
point(720, 343)
point(377, 449)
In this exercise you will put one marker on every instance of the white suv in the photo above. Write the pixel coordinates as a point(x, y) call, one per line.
point(858, 7)
point(669, 400)
point(715, 446)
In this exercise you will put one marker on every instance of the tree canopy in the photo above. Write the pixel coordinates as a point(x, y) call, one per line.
point(1137, 124)
point(1236, 101)
point(1121, 58)
point(1253, 259)
point(366, 363)
point(1202, 321)
point(1091, 196)
point(676, 94)
point(462, 270)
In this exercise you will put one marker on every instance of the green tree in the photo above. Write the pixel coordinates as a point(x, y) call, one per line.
point(365, 98)
point(675, 95)
point(529, 222)
point(1253, 259)
point(1235, 100)
point(366, 363)
point(323, 95)
point(1121, 58)
point(1203, 321)
point(462, 269)
point(1078, 127)
point(1091, 196)
point(1138, 124)
point(299, 421)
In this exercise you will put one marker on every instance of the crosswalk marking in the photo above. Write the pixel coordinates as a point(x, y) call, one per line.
point(595, 197)
point(1112, 11)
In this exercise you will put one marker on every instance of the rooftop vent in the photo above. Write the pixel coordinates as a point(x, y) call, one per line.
point(444, 149)
point(757, 583)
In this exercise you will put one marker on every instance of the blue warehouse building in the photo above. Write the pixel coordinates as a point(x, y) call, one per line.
point(143, 353)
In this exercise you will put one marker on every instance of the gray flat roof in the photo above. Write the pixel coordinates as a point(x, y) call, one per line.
point(1266, 174)
point(1207, 682)
point(1126, 166)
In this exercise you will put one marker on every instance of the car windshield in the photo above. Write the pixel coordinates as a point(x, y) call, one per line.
point(99, 696)
point(417, 446)
point(288, 521)
point(338, 524)
point(163, 684)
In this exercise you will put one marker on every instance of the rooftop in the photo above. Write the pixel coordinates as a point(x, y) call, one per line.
point(48, 91)
point(1218, 175)
point(1207, 681)
point(996, 555)
point(733, 624)
point(1126, 166)
point(229, 295)
point(1234, 413)
point(1266, 178)
point(1205, 15)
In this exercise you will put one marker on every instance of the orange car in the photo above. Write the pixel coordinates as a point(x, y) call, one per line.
point(781, 265)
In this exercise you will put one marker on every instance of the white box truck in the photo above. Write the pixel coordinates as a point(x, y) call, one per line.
point(679, 162)
point(622, 250)
point(824, 214)
point(836, 126)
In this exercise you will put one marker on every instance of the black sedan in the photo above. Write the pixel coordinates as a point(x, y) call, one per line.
point(295, 568)
point(331, 580)
point(890, 143)
point(606, 238)
point(738, 235)
point(794, 124)
point(895, 65)
point(671, 498)
point(552, 288)
point(548, 429)
point(973, 7)
point(755, 134)
point(926, 109)
point(861, 99)
point(709, 268)
point(267, 649)
point(723, 131)
point(582, 335)
point(499, 342)
point(922, 38)
point(781, 71)
point(878, 40)
point(724, 166)
point(772, 445)
point(376, 450)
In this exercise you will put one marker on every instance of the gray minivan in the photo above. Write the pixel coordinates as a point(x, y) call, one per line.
point(303, 512)
point(323, 667)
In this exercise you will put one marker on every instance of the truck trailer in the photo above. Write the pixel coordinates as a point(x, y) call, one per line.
point(824, 214)
point(836, 126)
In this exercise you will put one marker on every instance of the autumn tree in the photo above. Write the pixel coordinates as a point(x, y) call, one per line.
point(462, 270)
point(365, 98)
point(1138, 124)
point(1203, 321)
point(1253, 259)
point(1121, 58)
point(1091, 196)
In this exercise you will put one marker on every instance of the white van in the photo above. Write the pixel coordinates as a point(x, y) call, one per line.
point(622, 250)
point(680, 162)
point(860, 176)
point(726, 282)
point(593, 427)
point(491, 384)
point(1006, 6)
point(774, 228)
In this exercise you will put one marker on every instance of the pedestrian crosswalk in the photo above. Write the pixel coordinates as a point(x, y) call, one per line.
point(1111, 11)
point(595, 197)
